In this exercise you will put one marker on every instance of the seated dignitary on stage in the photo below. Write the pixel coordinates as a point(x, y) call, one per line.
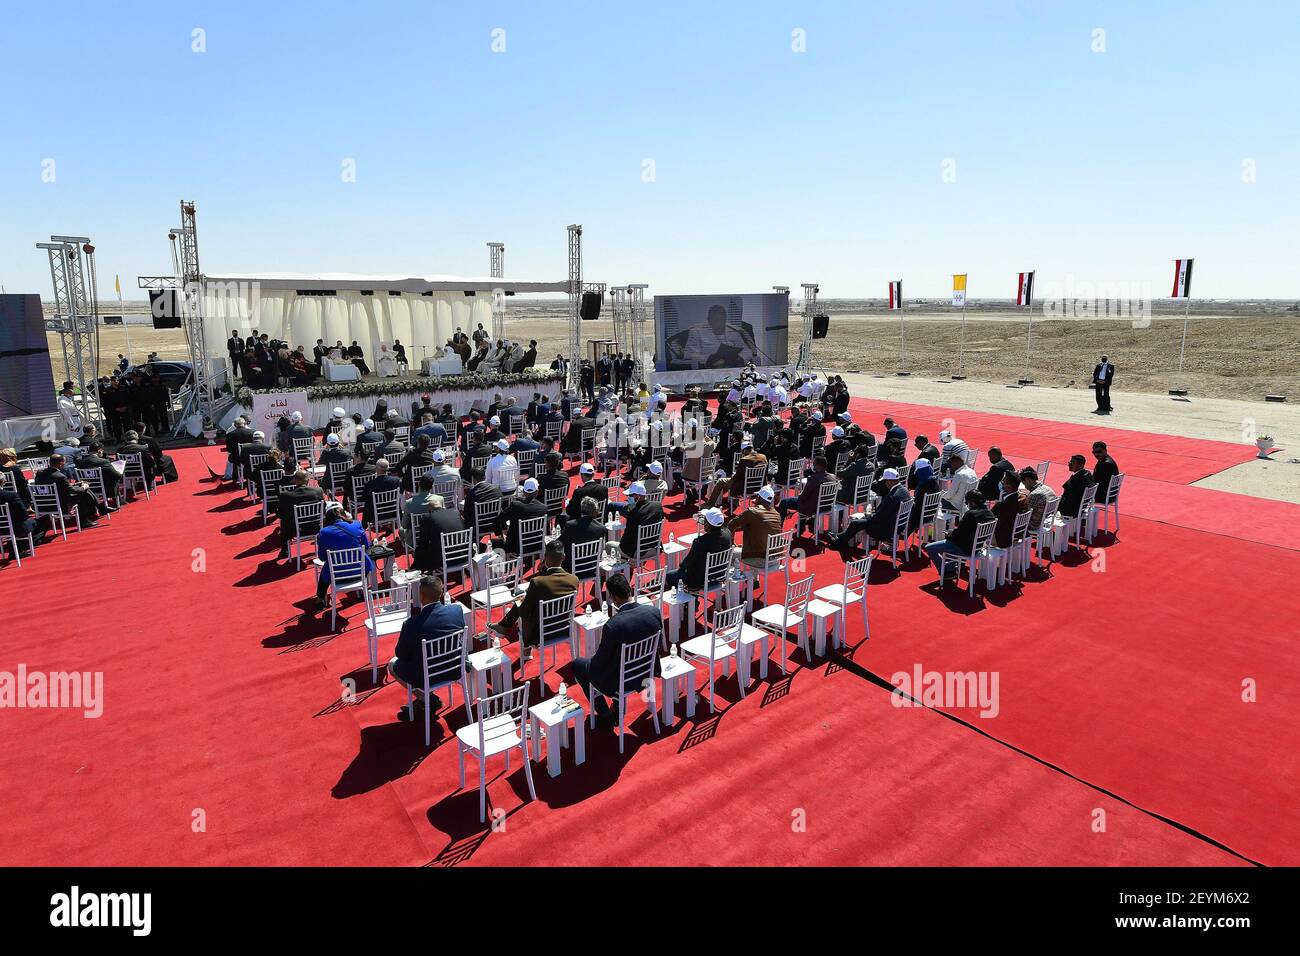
point(629, 622)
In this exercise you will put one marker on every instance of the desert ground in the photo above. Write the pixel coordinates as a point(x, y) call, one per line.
point(1239, 355)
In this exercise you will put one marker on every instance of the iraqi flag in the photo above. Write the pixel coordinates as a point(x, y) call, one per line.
point(1025, 289)
point(959, 291)
point(1182, 279)
point(895, 295)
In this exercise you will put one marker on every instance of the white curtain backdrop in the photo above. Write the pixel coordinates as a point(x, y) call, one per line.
point(422, 323)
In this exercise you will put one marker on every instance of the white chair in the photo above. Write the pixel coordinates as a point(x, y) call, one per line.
point(1041, 470)
point(1111, 501)
point(303, 448)
point(754, 478)
point(387, 609)
point(133, 475)
point(502, 585)
point(553, 498)
point(648, 585)
point(527, 459)
point(825, 512)
point(717, 583)
point(497, 728)
point(648, 544)
point(347, 567)
point(8, 533)
point(708, 465)
point(1045, 533)
point(852, 591)
point(449, 489)
point(1000, 562)
point(45, 501)
point(417, 472)
point(972, 561)
point(718, 646)
point(776, 552)
point(899, 533)
point(532, 539)
point(931, 524)
point(335, 477)
point(584, 562)
point(636, 672)
point(271, 478)
point(777, 619)
point(555, 625)
point(307, 520)
point(1078, 526)
point(457, 554)
point(443, 662)
point(485, 515)
point(386, 509)
point(861, 494)
point(95, 479)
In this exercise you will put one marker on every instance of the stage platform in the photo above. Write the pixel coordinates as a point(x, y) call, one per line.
point(1121, 679)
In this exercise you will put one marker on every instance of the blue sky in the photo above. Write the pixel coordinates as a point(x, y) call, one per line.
point(770, 166)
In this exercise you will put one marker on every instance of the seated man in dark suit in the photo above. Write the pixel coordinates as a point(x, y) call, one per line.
point(990, 485)
point(1072, 491)
point(94, 458)
point(961, 539)
point(519, 509)
point(879, 525)
point(1104, 470)
point(524, 617)
point(433, 524)
point(418, 457)
point(298, 492)
point(131, 446)
point(805, 502)
point(586, 527)
point(72, 494)
point(859, 466)
point(22, 523)
point(481, 490)
point(433, 620)
point(297, 430)
point(713, 537)
point(588, 487)
point(383, 481)
point(332, 454)
point(239, 434)
point(640, 512)
point(629, 622)
point(1013, 503)
point(162, 464)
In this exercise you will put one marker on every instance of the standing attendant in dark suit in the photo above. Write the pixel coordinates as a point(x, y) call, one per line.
point(1102, 375)
point(629, 622)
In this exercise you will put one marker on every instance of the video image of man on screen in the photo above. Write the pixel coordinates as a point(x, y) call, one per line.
point(721, 341)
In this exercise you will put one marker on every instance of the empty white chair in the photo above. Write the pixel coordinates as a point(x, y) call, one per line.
point(271, 478)
point(303, 447)
point(497, 728)
point(718, 646)
point(387, 609)
point(780, 618)
point(852, 591)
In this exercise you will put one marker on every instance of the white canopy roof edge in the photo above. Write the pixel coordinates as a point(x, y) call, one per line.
point(350, 282)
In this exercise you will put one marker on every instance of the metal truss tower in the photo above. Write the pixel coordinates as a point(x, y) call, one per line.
point(497, 270)
point(76, 317)
point(642, 343)
point(575, 303)
point(189, 285)
point(805, 363)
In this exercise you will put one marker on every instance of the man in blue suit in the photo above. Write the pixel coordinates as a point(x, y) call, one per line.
point(629, 622)
point(338, 531)
point(433, 620)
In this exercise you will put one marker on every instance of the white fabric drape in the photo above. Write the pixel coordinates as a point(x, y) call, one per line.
point(420, 323)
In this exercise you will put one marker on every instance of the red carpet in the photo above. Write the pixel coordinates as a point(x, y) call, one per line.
point(1119, 691)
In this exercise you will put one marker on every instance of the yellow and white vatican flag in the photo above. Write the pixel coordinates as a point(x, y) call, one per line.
point(959, 291)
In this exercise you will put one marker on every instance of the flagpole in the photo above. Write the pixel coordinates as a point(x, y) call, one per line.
point(961, 352)
point(1182, 349)
point(125, 325)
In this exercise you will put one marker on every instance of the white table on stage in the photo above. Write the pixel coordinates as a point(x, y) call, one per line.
point(447, 365)
point(341, 372)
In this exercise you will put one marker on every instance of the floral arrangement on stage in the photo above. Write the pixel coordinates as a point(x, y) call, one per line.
point(402, 386)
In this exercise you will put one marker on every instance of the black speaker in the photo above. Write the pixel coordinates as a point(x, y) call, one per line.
point(164, 309)
point(590, 309)
point(821, 325)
